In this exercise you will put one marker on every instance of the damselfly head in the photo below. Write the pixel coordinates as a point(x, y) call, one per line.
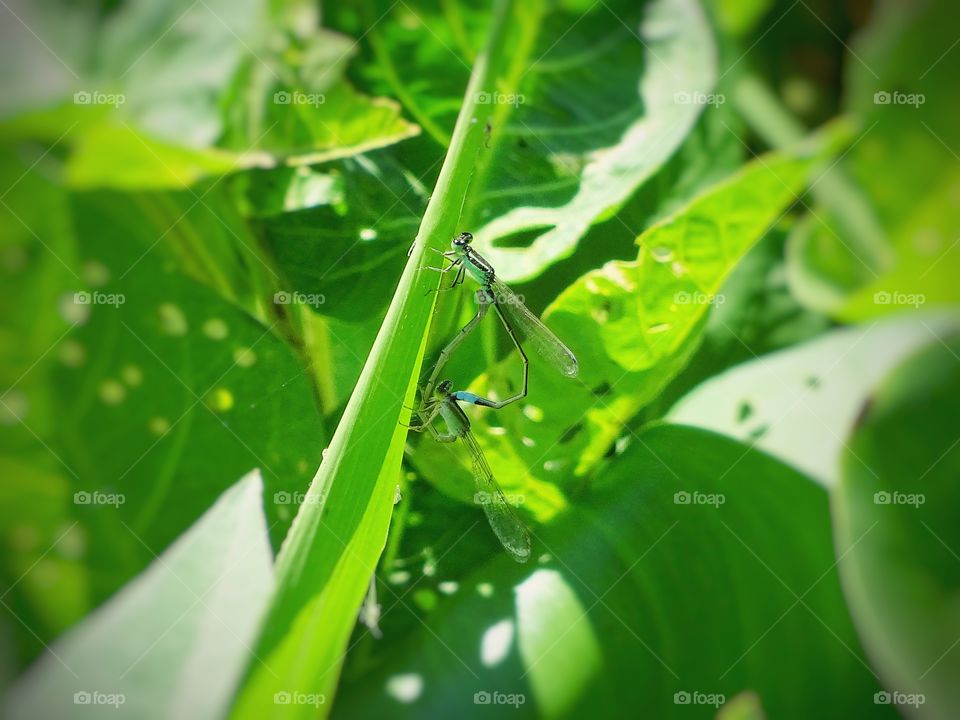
point(444, 387)
point(462, 240)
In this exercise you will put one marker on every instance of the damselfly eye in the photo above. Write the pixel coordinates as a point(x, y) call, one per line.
point(444, 387)
point(463, 239)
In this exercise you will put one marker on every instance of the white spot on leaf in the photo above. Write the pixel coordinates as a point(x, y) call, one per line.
point(405, 688)
point(112, 392)
point(132, 375)
point(244, 357)
point(172, 320)
point(72, 353)
point(496, 641)
point(215, 329)
point(159, 426)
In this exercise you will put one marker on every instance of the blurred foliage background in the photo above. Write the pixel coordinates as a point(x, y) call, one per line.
point(743, 217)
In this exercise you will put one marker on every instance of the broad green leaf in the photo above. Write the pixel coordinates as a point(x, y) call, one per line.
point(758, 315)
point(636, 596)
point(293, 101)
point(173, 640)
point(901, 77)
point(632, 98)
point(852, 248)
point(45, 579)
point(325, 565)
point(171, 61)
point(139, 73)
point(421, 53)
point(633, 325)
point(348, 247)
point(110, 155)
point(38, 530)
point(167, 395)
point(138, 114)
point(596, 100)
point(800, 404)
point(897, 535)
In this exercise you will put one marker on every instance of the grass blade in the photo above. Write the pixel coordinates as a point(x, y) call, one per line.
point(325, 565)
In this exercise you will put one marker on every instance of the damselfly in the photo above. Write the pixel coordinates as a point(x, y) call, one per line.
point(523, 327)
point(503, 519)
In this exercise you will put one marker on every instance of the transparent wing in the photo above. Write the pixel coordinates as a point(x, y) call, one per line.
point(533, 334)
point(506, 524)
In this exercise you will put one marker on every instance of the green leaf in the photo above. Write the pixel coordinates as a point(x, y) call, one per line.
point(120, 157)
point(897, 535)
point(150, 650)
point(294, 102)
point(587, 121)
point(800, 404)
point(631, 100)
point(900, 82)
point(349, 246)
point(855, 248)
point(758, 315)
point(325, 565)
point(636, 596)
point(137, 114)
point(171, 393)
point(633, 325)
point(43, 571)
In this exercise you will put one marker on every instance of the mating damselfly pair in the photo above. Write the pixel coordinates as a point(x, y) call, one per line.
point(525, 331)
